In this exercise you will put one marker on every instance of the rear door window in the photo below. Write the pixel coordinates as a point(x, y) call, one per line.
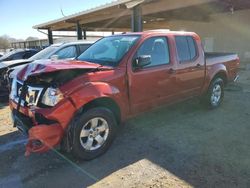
point(186, 48)
point(67, 52)
point(192, 47)
point(83, 47)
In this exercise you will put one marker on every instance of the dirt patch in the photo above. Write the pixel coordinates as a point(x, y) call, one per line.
point(5, 120)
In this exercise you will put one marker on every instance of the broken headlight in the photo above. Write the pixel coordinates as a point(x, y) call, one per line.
point(52, 96)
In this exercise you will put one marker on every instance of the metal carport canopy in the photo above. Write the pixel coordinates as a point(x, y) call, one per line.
point(116, 16)
point(138, 15)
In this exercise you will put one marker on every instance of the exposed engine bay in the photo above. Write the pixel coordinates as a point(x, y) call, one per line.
point(55, 79)
point(43, 90)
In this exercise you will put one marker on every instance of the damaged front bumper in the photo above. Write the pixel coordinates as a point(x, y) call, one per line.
point(45, 127)
point(43, 138)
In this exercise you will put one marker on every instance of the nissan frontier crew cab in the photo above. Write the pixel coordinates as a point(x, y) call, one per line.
point(79, 104)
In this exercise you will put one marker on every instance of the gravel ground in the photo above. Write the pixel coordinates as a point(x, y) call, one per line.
point(183, 145)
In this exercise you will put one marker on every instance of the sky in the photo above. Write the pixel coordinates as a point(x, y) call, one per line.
point(18, 16)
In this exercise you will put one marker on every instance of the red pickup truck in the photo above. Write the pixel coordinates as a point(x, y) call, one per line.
point(79, 104)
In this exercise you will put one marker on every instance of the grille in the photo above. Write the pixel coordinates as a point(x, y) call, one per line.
point(32, 94)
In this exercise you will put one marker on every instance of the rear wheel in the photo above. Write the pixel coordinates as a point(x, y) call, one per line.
point(94, 132)
point(215, 93)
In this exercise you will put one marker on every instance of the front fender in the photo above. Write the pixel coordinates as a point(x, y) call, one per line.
point(94, 90)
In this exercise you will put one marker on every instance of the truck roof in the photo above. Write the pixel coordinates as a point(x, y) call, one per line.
point(161, 31)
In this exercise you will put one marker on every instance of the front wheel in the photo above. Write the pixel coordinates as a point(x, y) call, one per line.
point(215, 93)
point(94, 132)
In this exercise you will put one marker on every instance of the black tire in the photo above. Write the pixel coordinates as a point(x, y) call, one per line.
point(216, 83)
point(99, 112)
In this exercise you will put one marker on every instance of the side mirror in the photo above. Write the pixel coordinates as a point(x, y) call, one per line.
point(54, 57)
point(142, 61)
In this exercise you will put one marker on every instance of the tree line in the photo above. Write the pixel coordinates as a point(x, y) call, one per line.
point(5, 41)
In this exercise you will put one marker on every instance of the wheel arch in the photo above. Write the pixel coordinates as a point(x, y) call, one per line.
point(105, 102)
point(221, 74)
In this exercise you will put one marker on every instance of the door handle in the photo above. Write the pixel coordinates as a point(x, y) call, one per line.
point(172, 71)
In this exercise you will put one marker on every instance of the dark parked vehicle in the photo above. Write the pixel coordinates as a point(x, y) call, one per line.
point(69, 50)
point(18, 54)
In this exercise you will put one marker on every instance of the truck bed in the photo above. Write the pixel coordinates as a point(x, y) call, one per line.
point(215, 57)
point(229, 60)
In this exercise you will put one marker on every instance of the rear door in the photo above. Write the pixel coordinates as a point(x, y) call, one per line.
point(151, 85)
point(190, 66)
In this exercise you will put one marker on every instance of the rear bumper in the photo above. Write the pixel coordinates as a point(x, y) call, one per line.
point(45, 127)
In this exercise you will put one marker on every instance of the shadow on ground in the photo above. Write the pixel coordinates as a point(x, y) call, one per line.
point(3, 105)
point(205, 148)
point(3, 100)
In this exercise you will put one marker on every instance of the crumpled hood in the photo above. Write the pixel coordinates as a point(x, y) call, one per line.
point(48, 66)
point(5, 64)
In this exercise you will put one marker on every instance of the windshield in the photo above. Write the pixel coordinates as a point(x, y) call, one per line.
point(44, 54)
point(109, 50)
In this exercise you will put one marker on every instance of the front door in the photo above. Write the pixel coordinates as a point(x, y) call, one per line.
point(151, 85)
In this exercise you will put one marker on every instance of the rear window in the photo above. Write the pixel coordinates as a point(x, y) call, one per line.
point(18, 55)
point(186, 48)
point(28, 54)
